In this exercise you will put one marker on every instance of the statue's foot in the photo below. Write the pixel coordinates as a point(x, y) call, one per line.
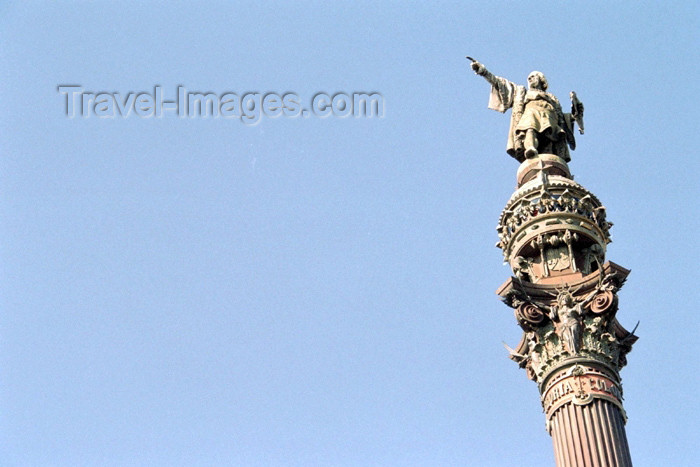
point(530, 152)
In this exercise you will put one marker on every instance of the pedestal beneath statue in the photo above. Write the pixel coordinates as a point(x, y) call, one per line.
point(547, 163)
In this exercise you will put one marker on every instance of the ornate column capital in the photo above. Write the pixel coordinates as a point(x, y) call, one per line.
point(576, 320)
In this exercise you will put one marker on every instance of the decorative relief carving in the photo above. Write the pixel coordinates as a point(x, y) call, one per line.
point(570, 325)
point(580, 385)
point(555, 213)
point(602, 302)
point(528, 314)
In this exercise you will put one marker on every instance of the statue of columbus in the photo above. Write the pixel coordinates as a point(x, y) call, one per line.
point(537, 125)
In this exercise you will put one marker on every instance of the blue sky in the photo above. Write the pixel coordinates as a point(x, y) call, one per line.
point(320, 291)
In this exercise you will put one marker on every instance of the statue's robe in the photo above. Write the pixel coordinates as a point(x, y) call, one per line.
point(536, 110)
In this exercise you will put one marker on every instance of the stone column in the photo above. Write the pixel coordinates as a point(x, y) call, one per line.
point(554, 233)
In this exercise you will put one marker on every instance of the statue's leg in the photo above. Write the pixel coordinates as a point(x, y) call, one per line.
point(530, 143)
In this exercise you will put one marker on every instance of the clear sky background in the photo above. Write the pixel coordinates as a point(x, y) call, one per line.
point(320, 291)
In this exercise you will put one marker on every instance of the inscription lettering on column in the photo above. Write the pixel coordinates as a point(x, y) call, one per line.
point(581, 387)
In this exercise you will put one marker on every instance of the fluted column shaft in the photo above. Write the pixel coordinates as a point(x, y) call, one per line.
point(591, 435)
point(582, 400)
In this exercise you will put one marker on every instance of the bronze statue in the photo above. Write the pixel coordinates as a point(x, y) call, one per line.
point(538, 125)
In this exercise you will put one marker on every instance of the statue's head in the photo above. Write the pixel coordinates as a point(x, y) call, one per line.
point(565, 299)
point(536, 80)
